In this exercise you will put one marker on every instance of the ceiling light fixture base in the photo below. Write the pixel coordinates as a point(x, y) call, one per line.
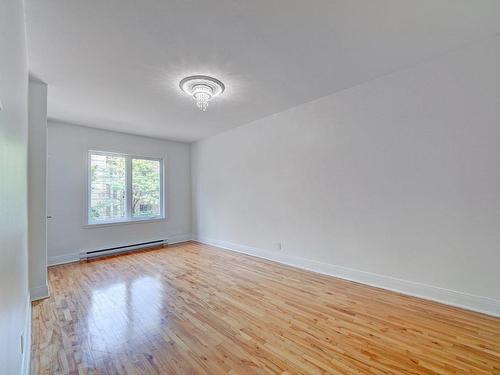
point(202, 89)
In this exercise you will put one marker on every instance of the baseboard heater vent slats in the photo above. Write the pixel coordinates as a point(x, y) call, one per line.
point(121, 249)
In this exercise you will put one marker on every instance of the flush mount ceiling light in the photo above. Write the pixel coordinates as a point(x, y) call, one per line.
point(202, 89)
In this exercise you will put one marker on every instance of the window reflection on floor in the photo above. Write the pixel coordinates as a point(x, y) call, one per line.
point(123, 312)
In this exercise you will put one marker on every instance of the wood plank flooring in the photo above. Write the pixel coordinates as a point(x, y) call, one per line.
point(196, 309)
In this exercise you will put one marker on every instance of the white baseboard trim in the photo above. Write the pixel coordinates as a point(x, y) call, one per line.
point(467, 301)
point(75, 257)
point(178, 238)
point(26, 360)
point(55, 260)
point(39, 292)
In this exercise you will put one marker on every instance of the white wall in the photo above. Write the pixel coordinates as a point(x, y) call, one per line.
point(395, 182)
point(67, 234)
point(37, 171)
point(14, 297)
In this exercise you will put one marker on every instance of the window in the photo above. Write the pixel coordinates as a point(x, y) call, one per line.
point(108, 189)
point(146, 188)
point(124, 188)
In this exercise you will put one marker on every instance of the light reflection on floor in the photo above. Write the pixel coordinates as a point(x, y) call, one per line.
point(122, 312)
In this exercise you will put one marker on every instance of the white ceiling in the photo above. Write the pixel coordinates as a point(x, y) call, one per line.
point(116, 64)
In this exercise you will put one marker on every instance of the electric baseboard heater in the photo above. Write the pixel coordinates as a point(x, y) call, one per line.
point(121, 249)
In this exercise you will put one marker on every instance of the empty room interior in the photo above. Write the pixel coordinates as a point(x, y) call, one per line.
point(249, 187)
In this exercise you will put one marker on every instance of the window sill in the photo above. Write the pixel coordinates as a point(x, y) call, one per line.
point(111, 224)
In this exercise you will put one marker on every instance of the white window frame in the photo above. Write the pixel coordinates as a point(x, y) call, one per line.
point(128, 191)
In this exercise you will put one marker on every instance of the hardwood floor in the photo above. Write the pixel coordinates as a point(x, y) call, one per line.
point(196, 309)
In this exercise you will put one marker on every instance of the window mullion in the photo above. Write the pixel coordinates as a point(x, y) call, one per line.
point(129, 188)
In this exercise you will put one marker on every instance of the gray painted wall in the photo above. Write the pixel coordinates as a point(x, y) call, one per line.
point(14, 302)
point(395, 182)
point(37, 192)
point(67, 180)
